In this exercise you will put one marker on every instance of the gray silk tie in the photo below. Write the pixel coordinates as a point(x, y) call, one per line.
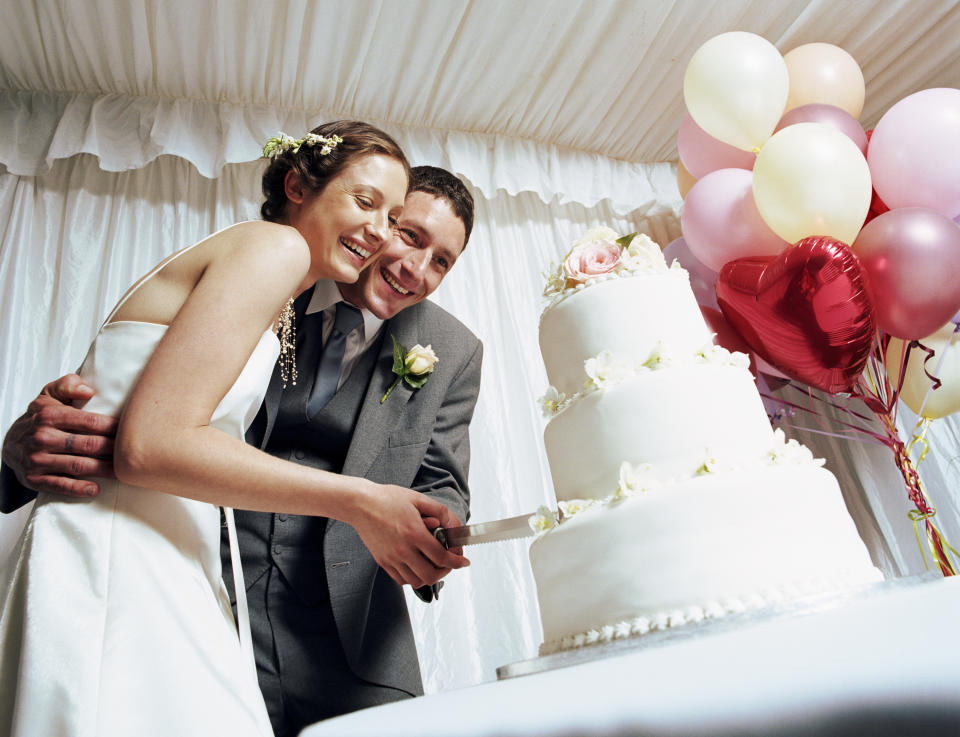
point(346, 321)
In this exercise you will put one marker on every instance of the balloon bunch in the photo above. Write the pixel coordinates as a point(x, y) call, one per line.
point(829, 252)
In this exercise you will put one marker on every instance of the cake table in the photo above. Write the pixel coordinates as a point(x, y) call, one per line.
point(886, 662)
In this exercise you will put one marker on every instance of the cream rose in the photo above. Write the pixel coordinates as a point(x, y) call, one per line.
point(591, 259)
point(602, 233)
point(420, 360)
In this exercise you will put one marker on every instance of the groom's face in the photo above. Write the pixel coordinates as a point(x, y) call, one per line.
point(424, 245)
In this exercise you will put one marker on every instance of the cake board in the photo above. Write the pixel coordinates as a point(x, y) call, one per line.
point(800, 606)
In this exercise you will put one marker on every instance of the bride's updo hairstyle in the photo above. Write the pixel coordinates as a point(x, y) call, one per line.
point(318, 161)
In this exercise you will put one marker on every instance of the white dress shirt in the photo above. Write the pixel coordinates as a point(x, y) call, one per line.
point(324, 299)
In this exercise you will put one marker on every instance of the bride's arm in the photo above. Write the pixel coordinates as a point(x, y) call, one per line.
point(165, 441)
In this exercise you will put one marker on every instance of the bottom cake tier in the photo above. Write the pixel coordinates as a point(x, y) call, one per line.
point(698, 549)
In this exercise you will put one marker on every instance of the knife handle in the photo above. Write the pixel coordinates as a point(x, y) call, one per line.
point(441, 535)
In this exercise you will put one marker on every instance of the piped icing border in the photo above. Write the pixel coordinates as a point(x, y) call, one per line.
point(715, 609)
point(605, 370)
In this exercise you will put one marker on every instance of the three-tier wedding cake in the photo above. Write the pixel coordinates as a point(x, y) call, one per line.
point(678, 500)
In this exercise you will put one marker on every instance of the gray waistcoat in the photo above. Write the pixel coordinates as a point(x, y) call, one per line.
point(294, 543)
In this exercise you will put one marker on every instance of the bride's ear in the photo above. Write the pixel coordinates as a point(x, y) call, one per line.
point(293, 187)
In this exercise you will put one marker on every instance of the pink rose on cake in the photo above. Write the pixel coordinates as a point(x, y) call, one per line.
point(590, 259)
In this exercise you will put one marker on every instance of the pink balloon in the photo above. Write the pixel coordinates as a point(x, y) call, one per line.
point(830, 115)
point(912, 259)
point(702, 279)
point(701, 153)
point(720, 220)
point(914, 152)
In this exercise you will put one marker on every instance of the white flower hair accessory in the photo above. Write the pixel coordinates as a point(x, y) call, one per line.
point(281, 143)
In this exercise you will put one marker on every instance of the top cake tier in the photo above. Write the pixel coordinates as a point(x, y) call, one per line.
point(641, 301)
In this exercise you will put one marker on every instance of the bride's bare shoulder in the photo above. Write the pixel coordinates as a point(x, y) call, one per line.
point(259, 239)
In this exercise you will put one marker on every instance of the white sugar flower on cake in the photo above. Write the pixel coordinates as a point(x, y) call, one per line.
point(790, 451)
point(599, 254)
point(551, 402)
point(715, 464)
point(642, 253)
point(571, 507)
point(634, 480)
point(604, 370)
point(660, 357)
point(545, 519)
point(720, 356)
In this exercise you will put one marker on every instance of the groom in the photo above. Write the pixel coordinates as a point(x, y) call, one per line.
point(330, 628)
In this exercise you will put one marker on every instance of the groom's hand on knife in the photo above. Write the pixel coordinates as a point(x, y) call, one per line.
point(55, 447)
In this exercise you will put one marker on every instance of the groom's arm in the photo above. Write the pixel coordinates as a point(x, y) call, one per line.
point(53, 446)
point(446, 462)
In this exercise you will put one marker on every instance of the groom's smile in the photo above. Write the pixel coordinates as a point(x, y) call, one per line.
point(424, 245)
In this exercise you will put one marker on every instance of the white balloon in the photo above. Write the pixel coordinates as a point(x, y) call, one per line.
point(917, 386)
point(811, 179)
point(736, 88)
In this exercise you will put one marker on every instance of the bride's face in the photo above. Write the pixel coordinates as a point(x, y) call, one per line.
point(348, 222)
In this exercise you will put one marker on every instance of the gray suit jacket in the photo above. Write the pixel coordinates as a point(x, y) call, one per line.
point(418, 438)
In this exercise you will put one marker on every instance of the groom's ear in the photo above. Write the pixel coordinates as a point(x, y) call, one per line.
point(293, 187)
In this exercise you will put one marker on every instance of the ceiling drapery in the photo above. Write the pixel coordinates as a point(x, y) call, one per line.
point(574, 99)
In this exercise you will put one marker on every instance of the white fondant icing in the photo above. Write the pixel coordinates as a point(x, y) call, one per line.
point(672, 420)
point(679, 502)
point(626, 316)
point(714, 542)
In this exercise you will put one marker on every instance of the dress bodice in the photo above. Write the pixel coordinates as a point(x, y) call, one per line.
point(121, 350)
point(150, 646)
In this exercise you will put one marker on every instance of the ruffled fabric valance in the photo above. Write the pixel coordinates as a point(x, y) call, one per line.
point(127, 132)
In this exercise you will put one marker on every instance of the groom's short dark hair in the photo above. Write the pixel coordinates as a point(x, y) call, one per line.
point(441, 183)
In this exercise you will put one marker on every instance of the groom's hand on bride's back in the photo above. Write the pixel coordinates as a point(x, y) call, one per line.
point(56, 447)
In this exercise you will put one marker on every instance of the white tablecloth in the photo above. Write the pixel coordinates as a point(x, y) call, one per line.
point(885, 662)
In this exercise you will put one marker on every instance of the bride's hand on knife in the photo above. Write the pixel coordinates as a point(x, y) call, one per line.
point(390, 521)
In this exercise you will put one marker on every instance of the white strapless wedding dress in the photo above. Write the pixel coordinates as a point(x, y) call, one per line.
point(115, 620)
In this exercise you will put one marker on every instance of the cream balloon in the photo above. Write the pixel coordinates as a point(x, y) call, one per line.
point(826, 74)
point(811, 179)
point(735, 88)
point(944, 400)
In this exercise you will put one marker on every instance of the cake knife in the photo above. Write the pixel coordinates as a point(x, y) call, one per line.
point(494, 531)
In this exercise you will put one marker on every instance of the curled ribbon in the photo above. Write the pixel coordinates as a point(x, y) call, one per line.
point(930, 354)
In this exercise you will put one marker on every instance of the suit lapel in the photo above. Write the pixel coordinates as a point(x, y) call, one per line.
point(377, 419)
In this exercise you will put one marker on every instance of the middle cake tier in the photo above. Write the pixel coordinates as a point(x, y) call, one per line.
point(679, 420)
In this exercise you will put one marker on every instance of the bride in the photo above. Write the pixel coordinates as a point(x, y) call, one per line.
point(114, 617)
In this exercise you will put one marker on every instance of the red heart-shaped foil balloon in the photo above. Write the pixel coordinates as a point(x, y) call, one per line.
point(807, 312)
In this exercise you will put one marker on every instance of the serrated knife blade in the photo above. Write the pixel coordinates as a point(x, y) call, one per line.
point(510, 528)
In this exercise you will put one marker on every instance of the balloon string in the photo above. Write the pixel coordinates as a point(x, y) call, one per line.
point(844, 436)
point(869, 391)
point(937, 543)
point(841, 407)
point(875, 390)
point(919, 436)
point(862, 433)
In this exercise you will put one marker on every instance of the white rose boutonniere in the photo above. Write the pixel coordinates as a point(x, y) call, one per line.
point(413, 366)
